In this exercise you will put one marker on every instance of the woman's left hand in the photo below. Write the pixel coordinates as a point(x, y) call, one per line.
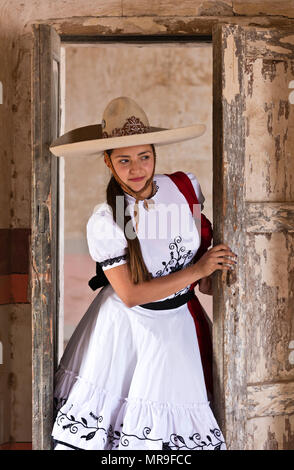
point(205, 285)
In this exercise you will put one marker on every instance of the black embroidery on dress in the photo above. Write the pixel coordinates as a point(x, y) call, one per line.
point(177, 258)
point(177, 261)
point(178, 442)
point(113, 437)
point(112, 260)
point(125, 441)
point(73, 424)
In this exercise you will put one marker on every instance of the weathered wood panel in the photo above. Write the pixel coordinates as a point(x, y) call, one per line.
point(218, 300)
point(268, 217)
point(44, 276)
point(269, 167)
point(253, 174)
point(269, 129)
point(274, 46)
point(271, 432)
point(229, 307)
point(270, 399)
point(91, 29)
point(264, 7)
point(270, 315)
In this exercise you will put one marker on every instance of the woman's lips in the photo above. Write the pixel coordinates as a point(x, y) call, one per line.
point(137, 179)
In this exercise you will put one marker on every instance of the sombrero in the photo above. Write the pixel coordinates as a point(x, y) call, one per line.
point(124, 124)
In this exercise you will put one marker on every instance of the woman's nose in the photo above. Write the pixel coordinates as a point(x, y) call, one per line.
point(135, 166)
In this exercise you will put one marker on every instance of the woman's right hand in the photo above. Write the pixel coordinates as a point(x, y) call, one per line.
point(212, 259)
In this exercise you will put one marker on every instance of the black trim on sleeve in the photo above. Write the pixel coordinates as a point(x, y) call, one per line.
point(112, 260)
point(100, 280)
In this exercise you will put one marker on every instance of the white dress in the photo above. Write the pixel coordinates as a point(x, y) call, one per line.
point(132, 378)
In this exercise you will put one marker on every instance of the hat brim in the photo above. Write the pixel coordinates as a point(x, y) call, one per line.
point(87, 140)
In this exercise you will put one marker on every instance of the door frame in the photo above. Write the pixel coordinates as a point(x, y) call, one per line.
point(46, 170)
point(45, 249)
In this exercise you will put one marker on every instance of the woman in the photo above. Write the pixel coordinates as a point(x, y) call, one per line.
point(131, 376)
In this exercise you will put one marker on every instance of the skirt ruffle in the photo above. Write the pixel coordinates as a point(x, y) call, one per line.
point(95, 419)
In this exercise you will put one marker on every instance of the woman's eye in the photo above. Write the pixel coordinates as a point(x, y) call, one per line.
point(125, 160)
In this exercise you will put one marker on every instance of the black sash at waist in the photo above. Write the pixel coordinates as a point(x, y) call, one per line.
point(170, 303)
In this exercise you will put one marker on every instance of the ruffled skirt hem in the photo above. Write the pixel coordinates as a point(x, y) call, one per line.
point(95, 419)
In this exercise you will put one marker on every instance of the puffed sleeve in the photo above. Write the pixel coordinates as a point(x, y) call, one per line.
point(197, 189)
point(106, 241)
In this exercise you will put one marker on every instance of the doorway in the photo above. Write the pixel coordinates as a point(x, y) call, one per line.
point(252, 207)
point(63, 198)
point(173, 83)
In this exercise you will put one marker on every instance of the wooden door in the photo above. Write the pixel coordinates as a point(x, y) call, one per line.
point(253, 211)
point(45, 205)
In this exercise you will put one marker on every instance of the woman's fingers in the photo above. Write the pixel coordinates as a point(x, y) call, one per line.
point(218, 249)
point(222, 253)
point(221, 259)
point(221, 246)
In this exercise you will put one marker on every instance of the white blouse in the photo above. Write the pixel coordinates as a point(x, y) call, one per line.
point(167, 231)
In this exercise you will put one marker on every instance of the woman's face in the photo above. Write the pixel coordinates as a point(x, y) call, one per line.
point(133, 162)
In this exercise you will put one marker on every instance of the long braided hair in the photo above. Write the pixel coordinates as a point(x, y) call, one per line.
point(137, 266)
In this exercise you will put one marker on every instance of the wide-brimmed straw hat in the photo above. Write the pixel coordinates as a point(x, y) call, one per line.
point(124, 124)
